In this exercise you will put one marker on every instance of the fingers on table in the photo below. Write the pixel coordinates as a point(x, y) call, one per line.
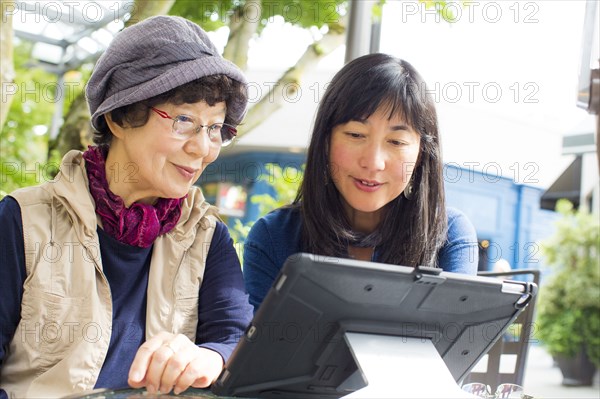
point(137, 371)
point(190, 376)
point(173, 369)
point(172, 362)
point(162, 360)
point(150, 361)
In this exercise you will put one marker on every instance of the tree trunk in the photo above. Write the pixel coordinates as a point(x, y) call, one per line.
point(76, 131)
point(147, 8)
point(242, 26)
point(287, 85)
point(7, 70)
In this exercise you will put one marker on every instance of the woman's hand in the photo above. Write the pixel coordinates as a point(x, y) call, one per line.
point(172, 362)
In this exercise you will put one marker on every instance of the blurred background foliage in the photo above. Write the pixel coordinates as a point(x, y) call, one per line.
point(214, 14)
point(24, 141)
point(568, 319)
point(284, 184)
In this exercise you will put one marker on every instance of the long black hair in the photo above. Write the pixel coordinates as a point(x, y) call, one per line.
point(412, 230)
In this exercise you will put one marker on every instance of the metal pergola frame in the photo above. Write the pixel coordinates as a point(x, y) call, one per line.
point(76, 20)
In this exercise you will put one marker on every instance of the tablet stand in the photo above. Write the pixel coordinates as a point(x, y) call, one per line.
point(401, 367)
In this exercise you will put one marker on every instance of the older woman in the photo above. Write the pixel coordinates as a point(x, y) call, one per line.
point(118, 272)
point(373, 187)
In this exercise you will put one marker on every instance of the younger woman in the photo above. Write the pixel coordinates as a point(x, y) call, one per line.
point(373, 185)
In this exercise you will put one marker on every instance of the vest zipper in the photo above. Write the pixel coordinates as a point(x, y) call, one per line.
point(52, 220)
point(183, 258)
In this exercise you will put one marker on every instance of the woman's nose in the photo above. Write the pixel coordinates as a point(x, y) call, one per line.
point(372, 158)
point(198, 144)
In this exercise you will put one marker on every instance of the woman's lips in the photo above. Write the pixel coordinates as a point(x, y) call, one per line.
point(367, 185)
point(186, 172)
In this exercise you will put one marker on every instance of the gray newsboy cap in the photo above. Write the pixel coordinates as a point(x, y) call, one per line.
point(152, 57)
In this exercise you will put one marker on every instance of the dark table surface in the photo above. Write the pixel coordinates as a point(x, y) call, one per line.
point(141, 394)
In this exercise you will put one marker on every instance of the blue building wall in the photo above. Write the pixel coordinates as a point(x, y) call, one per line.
point(507, 216)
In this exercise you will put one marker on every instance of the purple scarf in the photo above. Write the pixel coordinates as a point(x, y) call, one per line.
point(138, 225)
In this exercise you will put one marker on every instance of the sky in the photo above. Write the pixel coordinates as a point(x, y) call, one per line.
point(506, 78)
point(503, 75)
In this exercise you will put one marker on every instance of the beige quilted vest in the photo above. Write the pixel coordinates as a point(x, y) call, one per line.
point(66, 315)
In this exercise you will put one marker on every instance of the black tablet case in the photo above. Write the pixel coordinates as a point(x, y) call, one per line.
point(295, 346)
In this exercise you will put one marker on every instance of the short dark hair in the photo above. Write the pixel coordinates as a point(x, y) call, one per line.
point(212, 89)
point(412, 231)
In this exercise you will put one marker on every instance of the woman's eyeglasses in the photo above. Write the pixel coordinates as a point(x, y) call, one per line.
point(504, 391)
point(185, 127)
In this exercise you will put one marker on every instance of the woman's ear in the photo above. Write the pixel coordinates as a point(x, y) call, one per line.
point(117, 130)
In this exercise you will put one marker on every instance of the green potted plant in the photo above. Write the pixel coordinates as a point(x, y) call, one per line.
point(568, 318)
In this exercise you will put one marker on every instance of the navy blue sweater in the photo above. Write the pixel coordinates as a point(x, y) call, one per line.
point(222, 317)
